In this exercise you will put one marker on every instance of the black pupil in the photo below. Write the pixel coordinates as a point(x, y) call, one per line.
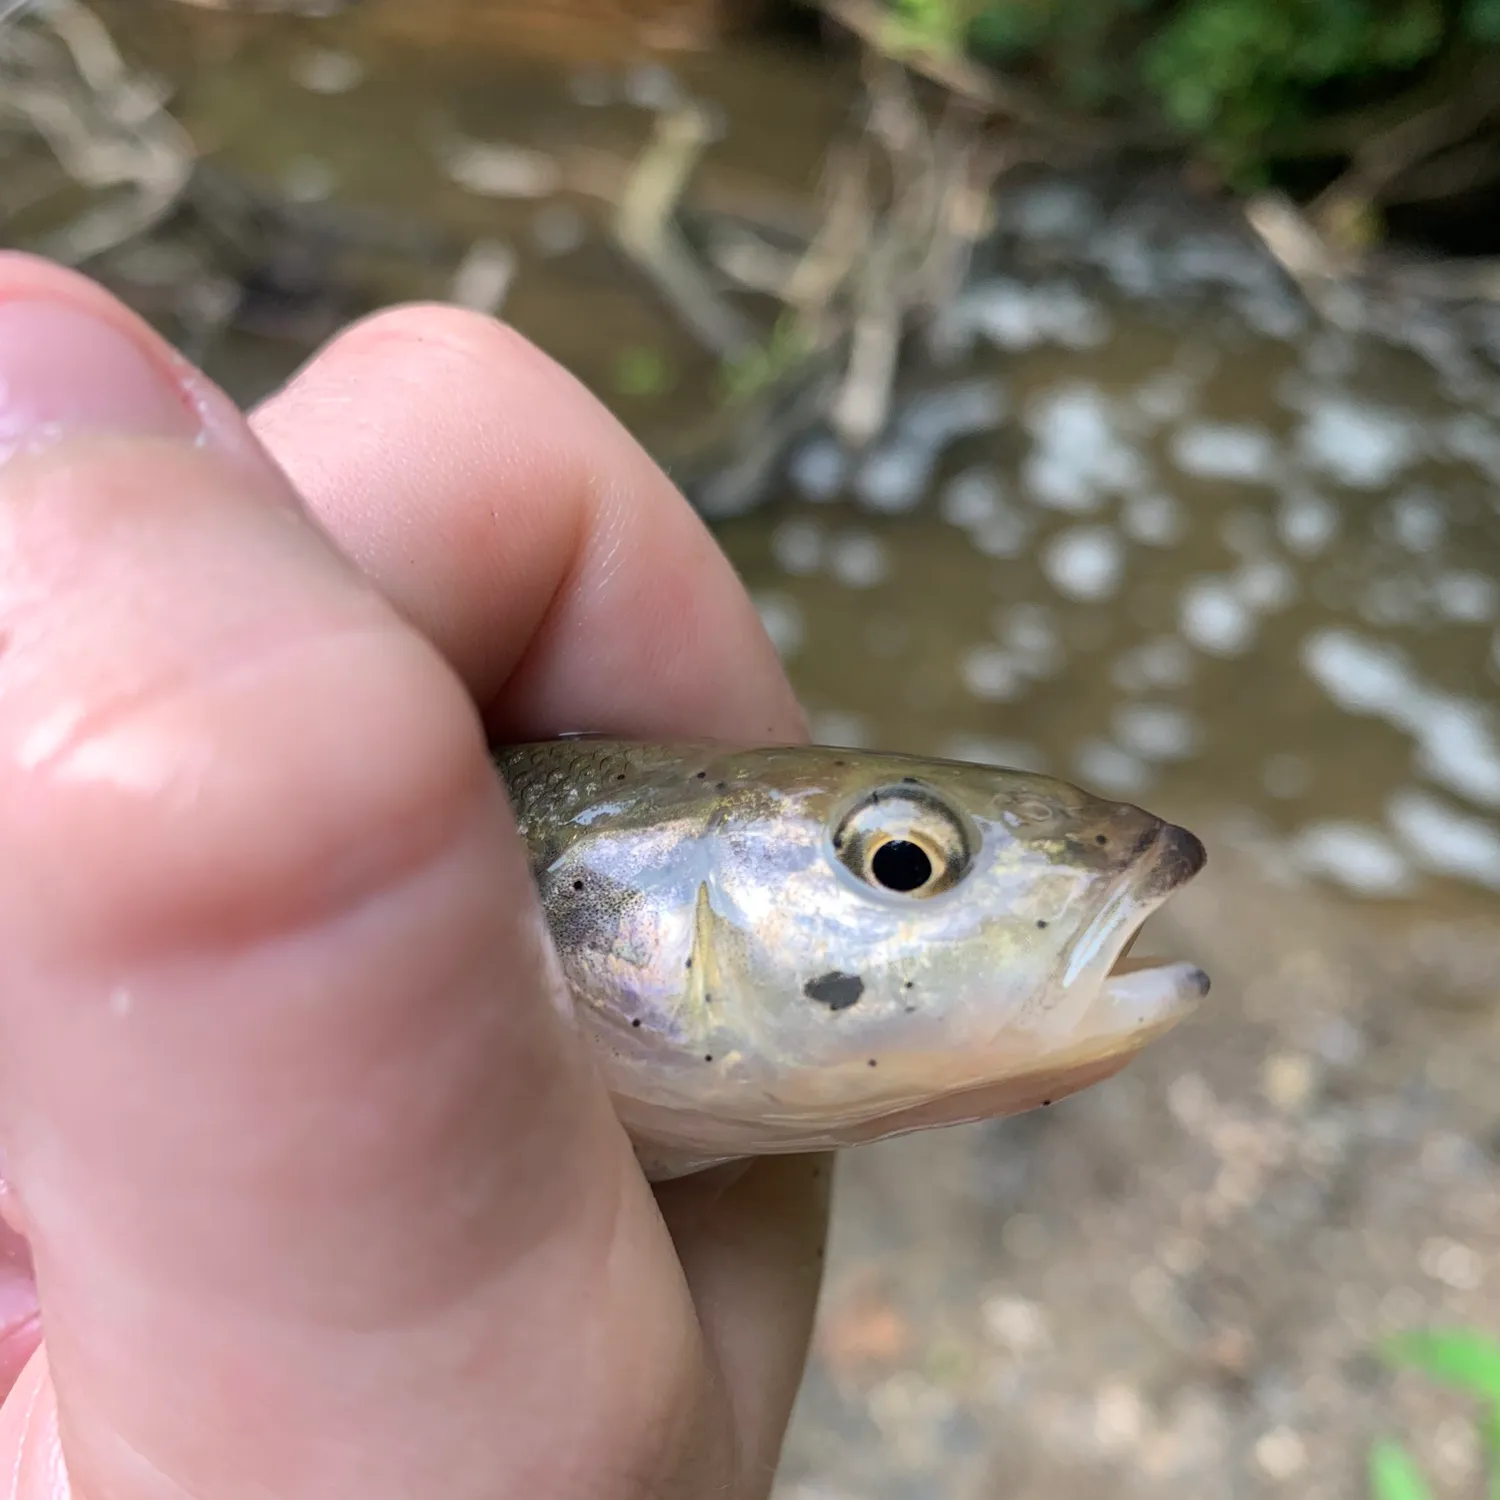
point(901, 866)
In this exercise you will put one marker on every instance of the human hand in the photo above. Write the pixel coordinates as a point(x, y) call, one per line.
point(323, 1195)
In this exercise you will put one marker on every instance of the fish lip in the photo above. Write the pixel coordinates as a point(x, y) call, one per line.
point(1169, 860)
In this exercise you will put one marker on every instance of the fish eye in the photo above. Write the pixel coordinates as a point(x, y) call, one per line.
point(906, 840)
point(901, 865)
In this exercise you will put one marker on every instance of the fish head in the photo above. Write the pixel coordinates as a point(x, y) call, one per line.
point(794, 948)
point(937, 941)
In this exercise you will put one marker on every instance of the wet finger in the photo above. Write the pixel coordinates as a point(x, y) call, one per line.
point(512, 518)
point(322, 1195)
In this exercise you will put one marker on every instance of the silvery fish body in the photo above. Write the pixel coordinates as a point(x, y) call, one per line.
point(781, 949)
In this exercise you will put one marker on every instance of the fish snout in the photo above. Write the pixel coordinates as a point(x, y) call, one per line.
point(1179, 856)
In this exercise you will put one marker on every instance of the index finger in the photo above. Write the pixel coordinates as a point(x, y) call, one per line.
point(521, 528)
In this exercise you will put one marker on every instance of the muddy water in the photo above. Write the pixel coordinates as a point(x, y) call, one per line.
point(1155, 525)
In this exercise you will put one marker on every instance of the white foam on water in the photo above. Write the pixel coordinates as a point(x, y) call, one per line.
point(1457, 739)
point(1153, 520)
point(1226, 450)
point(1015, 316)
point(894, 478)
point(1444, 839)
point(1306, 523)
point(1265, 584)
point(1108, 768)
point(1469, 436)
point(1357, 444)
point(1053, 210)
point(972, 497)
point(1360, 675)
point(1356, 856)
point(1156, 731)
point(1030, 634)
point(1005, 535)
point(1285, 776)
point(898, 473)
point(934, 419)
point(859, 560)
point(993, 674)
point(1164, 397)
point(1162, 663)
point(1078, 455)
point(1392, 601)
point(1466, 598)
point(798, 547)
point(1417, 521)
point(976, 501)
point(1084, 562)
point(1213, 617)
point(1458, 748)
point(818, 469)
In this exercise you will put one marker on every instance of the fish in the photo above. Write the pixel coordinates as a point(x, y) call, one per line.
point(793, 948)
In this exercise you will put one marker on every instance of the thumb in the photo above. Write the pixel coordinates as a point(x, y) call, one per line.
point(289, 1097)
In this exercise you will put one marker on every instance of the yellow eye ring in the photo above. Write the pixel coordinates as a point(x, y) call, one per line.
point(906, 840)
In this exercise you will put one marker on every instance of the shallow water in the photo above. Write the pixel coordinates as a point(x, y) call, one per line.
point(1156, 526)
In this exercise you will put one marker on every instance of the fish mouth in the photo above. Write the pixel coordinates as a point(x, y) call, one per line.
point(1104, 990)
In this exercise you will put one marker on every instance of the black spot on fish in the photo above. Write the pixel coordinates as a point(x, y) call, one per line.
point(721, 786)
point(702, 776)
point(836, 991)
point(577, 885)
point(1041, 921)
point(708, 1057)
point(620, 776)
point(636, 1022)
point(910, 984)
point(688, 964)
point(872, 1062)
point(1099, 838)
point(1045, 1103)
point(909, 781)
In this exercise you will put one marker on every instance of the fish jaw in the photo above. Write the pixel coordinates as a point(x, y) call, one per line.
point(1110, 1007)
point(1039, 1086)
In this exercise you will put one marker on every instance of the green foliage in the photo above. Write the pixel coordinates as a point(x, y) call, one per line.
point(1231, 70)
point(1482, 21)
point(642, 372)
point(1240, 79)
point(762, 366)
point(1460, 1357)
point(1394, 1474)
point(929, 25)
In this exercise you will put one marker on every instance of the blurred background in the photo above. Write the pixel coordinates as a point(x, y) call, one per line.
point(1111, 388)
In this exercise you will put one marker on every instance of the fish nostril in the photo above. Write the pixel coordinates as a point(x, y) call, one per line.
point(1184, 848)
point(1146, 838)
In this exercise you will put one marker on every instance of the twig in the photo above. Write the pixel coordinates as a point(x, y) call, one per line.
point(645, 228)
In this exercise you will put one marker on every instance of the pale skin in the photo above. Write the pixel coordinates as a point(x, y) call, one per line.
point(322, 1195)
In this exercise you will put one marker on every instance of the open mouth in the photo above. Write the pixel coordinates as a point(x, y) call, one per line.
point(1119, 992)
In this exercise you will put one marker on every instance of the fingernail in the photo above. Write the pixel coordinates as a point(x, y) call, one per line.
point(64, 373)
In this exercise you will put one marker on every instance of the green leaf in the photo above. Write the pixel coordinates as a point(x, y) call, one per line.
point(642, 371)
point(1459, 1357)
point(1482, 17)
point(1394, 1474)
